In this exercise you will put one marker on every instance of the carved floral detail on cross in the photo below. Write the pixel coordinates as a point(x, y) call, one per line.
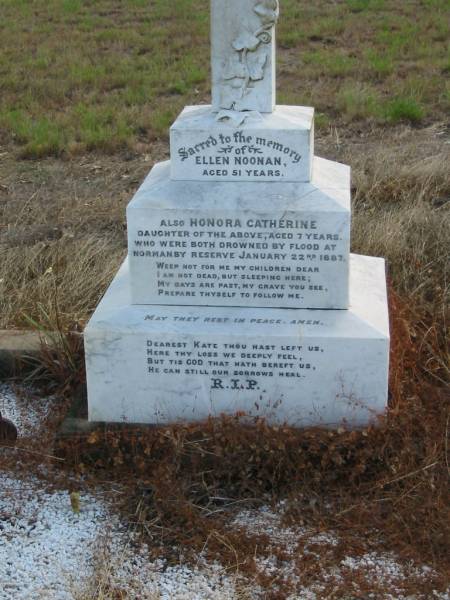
point(246, 65)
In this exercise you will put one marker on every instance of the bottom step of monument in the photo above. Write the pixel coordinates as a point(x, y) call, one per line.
point(160, 364)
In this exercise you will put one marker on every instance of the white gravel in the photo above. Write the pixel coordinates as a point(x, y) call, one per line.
point(384, 569)
point(26, 409)
point(49, 552)
point(43, 544)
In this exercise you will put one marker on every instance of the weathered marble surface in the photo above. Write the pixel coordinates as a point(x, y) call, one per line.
point(265, 147)
point(155, 364)
point(241, 244)
point(243, 54)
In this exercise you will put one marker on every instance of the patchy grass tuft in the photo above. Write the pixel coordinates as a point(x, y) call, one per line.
point(404, 109)
point(358, 102)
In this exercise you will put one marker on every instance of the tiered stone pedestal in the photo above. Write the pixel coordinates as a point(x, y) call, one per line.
point(159, 364)
point(239, 293)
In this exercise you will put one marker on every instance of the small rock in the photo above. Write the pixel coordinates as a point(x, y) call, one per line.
point(439, 202)
point(8, 431)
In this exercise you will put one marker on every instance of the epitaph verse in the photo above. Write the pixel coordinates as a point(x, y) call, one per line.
point(244, 260)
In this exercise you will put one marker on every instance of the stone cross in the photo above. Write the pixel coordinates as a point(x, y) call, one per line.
point(243, 54)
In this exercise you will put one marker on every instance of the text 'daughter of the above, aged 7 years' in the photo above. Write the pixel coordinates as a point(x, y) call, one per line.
point(239, 292)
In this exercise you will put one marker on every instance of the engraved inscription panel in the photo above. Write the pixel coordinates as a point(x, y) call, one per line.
point(239, 155)
point(164, 363)
point(290, 260)
point(276, 147)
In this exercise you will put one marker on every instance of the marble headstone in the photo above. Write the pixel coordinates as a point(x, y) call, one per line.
point(239, 293)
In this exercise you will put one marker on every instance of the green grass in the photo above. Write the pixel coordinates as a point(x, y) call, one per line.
point(446, 96)
point(358, 102)
point(364, 5)
point(404, 109)
point(322, 121)
point(38, 137)
point(79, 76)
point(381, 64)
point(330, 63)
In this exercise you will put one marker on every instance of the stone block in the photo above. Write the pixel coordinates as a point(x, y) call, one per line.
point(241, 244)
point(264, 147)
point(156, 364)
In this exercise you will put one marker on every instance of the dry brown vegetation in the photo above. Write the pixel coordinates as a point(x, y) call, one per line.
point(385, 486)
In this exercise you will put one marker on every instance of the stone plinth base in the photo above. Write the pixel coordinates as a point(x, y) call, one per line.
point(281, 245)
point(276, 146)
point(159, 364)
